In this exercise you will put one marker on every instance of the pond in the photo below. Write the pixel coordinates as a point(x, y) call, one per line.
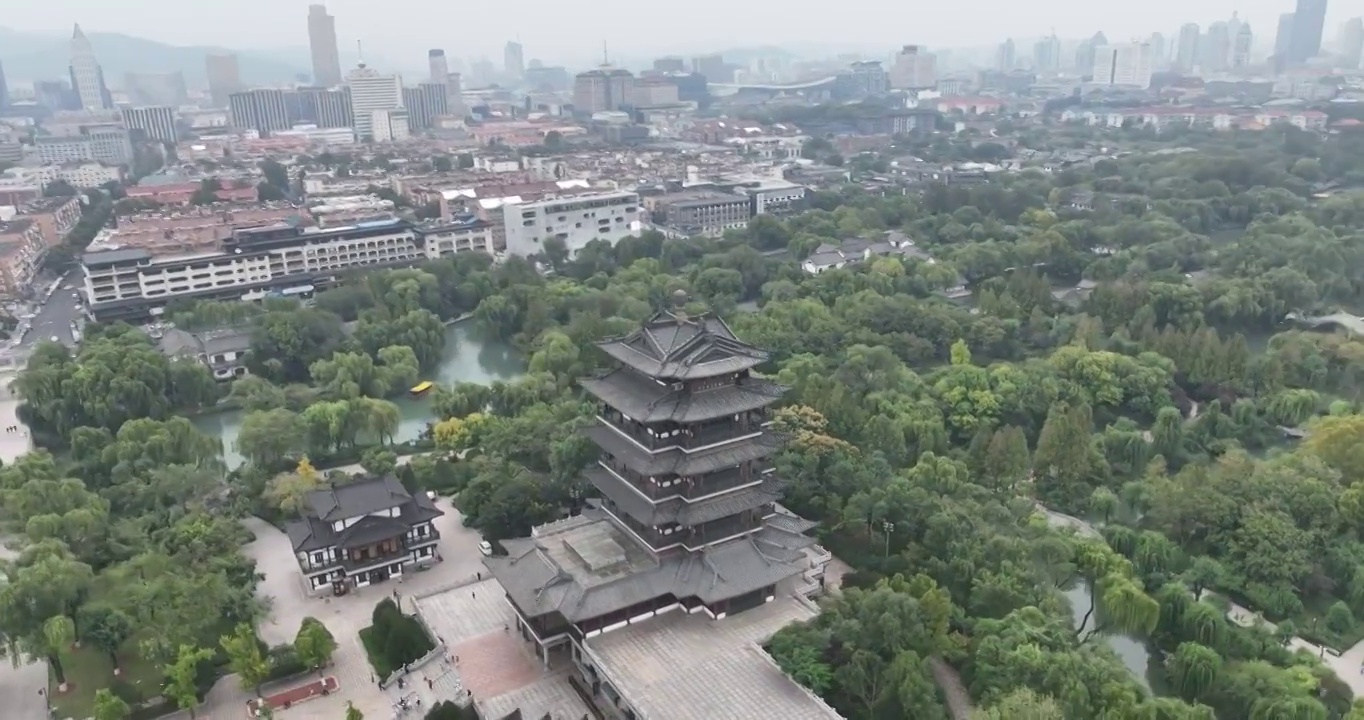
point(467, 358)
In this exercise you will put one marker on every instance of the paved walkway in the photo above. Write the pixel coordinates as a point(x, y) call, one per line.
point(344, 617)
point(19, 686)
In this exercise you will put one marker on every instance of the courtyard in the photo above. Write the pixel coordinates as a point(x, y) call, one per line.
point(344, 617)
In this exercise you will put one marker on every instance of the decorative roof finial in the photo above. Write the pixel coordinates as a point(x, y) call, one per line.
point(680, 298)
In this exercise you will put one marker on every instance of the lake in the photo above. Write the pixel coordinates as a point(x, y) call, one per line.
point(467, 358)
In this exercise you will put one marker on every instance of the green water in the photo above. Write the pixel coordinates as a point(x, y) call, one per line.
point(466, 358)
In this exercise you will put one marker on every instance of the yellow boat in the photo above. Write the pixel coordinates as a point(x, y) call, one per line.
point(421, 388)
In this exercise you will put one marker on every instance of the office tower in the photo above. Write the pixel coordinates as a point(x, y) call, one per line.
point(262, 109)
point(4, 89)
point(371, 92)
point(914, 69)
point(1283, 40)
point(1240, 47)
point(1046, 55)
point(714, 68)
point(602, 90)
point(1006, 56)
point(87, 77)
point(454, 95)
point(1186, 54)
point(1309, 18)
point(224, 78)
point(1084, 54)
point(166, 88)
point(1124, 65)
point(55, 95)
point(513, 60)
point(156, 122)
point(322, 42)
point(670, 65)
point(1350, 46)
point(424, 104)
point(548, 79)
point(1160, 51)
point(1214, 49)
point(389, 125)
point(323, 107)
point(440, 69)
point(869, 78)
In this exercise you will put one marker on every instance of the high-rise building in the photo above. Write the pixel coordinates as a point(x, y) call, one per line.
point(167, 88)
point(514, 59)
point(56, 95)
point(1350, 46)
point(1214, 49)
point(1046, 54)
point(1186, 54)
point(603, 89)
point(322, 42)
point(424, 104)
point(323, 107)
point(454, 95)
point(389, 125)
point(1240, 46)
point(440, 69)
point(156, 122)
point(1160, 51)
point(1007, 56)
point(714, 68)
point(87, 77)
point(4, 89)
point(262, 109)
point(1283, 40)
point(1084, 54)
point(914, 69)
point(670, 65)
point(371, 92)
point(224, 78)
point(869, 78)
point(1124, 65)
point(1309, 19)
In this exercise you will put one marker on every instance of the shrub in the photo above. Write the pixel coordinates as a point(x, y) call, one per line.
point(1339, 618)
point(284, 662)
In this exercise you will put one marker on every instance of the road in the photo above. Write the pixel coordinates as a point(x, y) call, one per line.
point(55, 316)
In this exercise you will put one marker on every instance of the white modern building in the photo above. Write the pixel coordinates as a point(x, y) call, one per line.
point(284, 259)
point(371, 92)
point(574, 219)
point(156, 121)
point(1124, 65)
point(914, 69)
point(390, 126)
point(340, 136)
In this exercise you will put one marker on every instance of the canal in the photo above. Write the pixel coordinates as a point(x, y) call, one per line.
point(466, 358)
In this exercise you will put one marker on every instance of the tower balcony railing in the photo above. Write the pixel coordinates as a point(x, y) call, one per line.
point(692, 437)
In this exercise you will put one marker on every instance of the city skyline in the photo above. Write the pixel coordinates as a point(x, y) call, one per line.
point(371, 24)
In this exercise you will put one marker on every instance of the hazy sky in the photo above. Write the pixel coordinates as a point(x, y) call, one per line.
point(561, 32)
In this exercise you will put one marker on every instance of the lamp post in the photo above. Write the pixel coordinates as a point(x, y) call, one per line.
point(888, 527)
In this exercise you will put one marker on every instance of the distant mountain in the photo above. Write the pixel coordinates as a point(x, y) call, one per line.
point(27, 57)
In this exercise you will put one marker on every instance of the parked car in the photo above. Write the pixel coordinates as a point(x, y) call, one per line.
point(485, 547)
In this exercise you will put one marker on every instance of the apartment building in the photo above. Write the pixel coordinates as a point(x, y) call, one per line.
point(76, 174)
point(54, 217)
point(466, 233)
point(132, 284)
point(157, 122)
point(21, 252)
point(575, 219)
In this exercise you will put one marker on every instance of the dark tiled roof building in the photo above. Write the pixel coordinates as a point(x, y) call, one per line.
point(687, 517)
point(365, 532)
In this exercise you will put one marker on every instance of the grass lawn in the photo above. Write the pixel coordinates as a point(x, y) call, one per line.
point(89, 670)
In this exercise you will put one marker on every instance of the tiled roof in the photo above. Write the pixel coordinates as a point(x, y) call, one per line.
point(646, 400)
point(679, 462)
point(674, 346)
point(678, 510)
point(541, 580)
point(314, 530)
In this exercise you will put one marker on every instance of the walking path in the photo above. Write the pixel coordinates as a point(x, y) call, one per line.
point(23, 688)
point(1347, 665)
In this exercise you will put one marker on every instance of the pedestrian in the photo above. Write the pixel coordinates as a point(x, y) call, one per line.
point(430, 684)
point(479, 575)
point(473, 595)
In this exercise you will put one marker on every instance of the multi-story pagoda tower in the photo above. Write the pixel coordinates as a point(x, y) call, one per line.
point(687, 517)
